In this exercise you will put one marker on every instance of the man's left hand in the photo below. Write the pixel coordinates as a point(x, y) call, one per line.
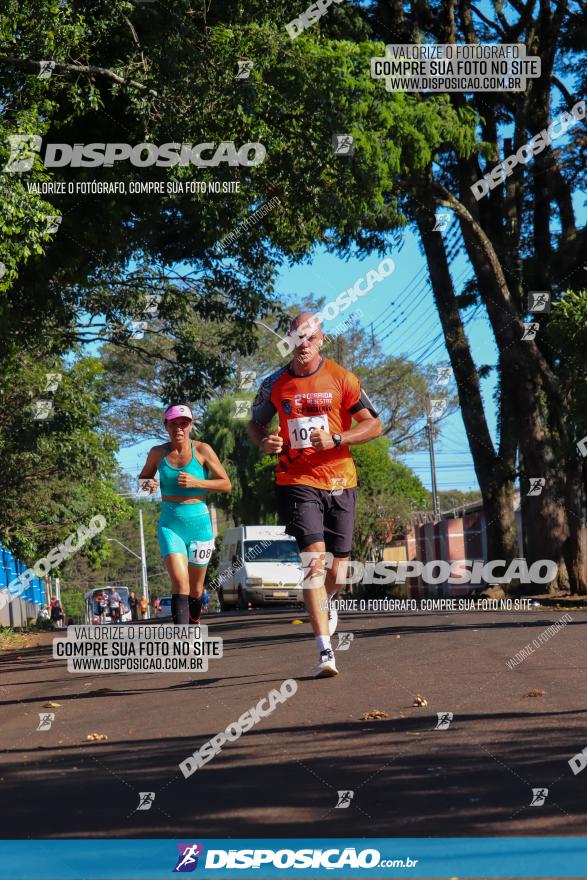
point(321, 439)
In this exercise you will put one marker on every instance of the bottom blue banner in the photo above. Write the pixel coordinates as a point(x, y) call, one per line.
point(460, 858)
point(266, 858)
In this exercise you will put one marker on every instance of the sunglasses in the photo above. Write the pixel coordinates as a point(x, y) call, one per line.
point(178, 423)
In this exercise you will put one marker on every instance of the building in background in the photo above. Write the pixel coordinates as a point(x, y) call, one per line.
point(459, 534)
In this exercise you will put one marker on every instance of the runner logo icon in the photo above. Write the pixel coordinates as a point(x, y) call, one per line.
point(188, 855)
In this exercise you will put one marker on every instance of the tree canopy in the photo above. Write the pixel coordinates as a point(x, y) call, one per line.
point(136, 73)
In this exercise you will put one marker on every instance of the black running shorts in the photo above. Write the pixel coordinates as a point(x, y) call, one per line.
point(312, 515)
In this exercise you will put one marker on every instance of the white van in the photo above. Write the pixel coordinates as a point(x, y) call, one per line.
point(260, 565)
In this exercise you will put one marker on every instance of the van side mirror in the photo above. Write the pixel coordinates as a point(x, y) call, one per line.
point(234, 559)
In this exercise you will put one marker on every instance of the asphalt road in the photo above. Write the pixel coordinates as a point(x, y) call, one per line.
point(281, 778)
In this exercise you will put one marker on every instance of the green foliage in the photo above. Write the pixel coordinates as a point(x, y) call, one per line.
point(567, 334)
point(80, 575)
point(389, 493)
point(299, 94)
point(73, 604)
point(453, 499)
point(378, 472)
point(251, 499)
point(43, 30)
point(136, 388)
point(58, 472)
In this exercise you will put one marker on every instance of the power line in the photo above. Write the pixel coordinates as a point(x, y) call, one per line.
point(423, 269)
point(418, 328)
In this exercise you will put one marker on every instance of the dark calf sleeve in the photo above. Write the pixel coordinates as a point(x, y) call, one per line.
point(180, 611)
point(195, 606)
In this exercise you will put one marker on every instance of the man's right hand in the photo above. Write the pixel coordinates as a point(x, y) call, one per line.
point(273, 443)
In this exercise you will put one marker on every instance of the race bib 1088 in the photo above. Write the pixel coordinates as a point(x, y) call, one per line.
point(200, 552)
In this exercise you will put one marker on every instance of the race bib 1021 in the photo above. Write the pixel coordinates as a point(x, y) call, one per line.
point(300, 429)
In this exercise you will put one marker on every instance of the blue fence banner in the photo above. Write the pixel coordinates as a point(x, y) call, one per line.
point(411, 857)
point(11, 569)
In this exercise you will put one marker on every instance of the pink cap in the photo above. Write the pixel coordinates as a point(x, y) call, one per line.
point(179, 411)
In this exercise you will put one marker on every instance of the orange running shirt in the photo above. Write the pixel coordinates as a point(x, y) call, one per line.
point(326, 399)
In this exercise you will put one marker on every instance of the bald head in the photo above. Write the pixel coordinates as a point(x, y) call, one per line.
point(306, 324)
point(305, 332)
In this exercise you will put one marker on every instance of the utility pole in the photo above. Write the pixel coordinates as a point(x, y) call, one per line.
point(435, 501)
point(213, 519)
point(144, 580)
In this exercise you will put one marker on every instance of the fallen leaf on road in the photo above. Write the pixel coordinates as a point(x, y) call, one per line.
point(96, 737)
point(51, 705)
point(536, 693)
point(398, 637)
point(374, 715)
point(297, 620)
point(419, 701)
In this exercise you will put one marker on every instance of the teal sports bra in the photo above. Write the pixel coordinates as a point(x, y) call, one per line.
point(168, 478)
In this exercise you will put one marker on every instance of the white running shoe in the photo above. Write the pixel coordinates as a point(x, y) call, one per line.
point(326, 668)
point(332, 618)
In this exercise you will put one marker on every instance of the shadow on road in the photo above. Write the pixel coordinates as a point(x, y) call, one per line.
point(407, 779)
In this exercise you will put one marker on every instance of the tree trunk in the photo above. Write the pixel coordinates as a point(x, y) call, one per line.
point(494, 474)
point(540, 410)
point(575, 547)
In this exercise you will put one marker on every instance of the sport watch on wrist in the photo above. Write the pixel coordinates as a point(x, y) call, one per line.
point(337, 440)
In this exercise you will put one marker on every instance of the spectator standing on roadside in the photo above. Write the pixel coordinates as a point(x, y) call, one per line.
point(143, 607)
point(57, 613)
point(134, 605)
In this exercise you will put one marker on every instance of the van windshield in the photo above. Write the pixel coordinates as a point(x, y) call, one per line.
point(271, 551)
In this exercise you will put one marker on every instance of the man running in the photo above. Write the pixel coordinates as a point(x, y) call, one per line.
point(102, 600)
point(316, 401)
point(115, 603)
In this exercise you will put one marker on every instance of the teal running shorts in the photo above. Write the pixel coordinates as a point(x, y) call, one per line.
point(186, 529)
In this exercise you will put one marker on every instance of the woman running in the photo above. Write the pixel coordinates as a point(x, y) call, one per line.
point(185, 529)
